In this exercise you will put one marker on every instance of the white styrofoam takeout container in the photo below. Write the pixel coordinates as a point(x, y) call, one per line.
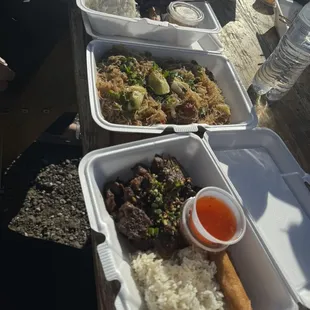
point(255, 166)
point(210, 42)
point(287, 9)
point(147, 29)
point(243, 115)
point(271, 185)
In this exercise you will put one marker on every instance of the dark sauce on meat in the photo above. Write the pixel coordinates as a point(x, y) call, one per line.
point(147, 208)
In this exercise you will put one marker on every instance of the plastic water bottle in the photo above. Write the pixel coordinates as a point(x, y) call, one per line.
point(292, 55)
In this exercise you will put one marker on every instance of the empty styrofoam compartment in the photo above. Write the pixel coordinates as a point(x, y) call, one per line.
point(260, 277)
point(147, 29)
point(210, 42)
point(242, 112)
point(272, 187)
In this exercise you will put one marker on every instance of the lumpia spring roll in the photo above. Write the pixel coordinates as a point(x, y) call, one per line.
point(231, 286)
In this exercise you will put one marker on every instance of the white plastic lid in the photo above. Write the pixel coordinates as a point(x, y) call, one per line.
point(185, 13)
point(270, 184)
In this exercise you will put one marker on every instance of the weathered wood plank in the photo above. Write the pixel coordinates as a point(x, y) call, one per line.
point(49, 94)
point(93, 136)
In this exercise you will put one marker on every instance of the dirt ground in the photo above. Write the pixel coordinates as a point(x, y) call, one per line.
point(53, 208)
point(46, 257)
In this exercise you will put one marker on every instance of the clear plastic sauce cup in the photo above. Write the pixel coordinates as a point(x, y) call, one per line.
point(189, 236)
point(232, 208)
point(184, 14)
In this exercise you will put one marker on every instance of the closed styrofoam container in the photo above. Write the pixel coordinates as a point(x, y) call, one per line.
point(271, 276)
point(210, 42)
point(147, 29)
point(242, 112)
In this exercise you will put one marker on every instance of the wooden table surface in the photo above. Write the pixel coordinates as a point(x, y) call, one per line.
point(248, 37)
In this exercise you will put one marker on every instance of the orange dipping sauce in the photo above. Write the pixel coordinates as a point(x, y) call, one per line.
point(216, 218)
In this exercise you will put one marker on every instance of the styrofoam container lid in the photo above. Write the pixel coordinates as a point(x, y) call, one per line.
point(270, 184)
point(243, 115)
point(210, 42)
point(145, 28)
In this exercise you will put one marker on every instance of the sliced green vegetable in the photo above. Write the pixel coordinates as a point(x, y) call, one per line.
point(125, 68)
point(202, 112)
point(171, 101)
point(138, 88)
point(191, 84)
point(135, 100)
point(156, 231)
point(136, 80)
point(158, 83)
point(114, 94)
point(155, 66)
point(166, 74)
point(179, 87)
point(175, 74)
point(153, 231)
point(128, 67)
point(124, 98)
point(150, 231)
point(178, 183)
point(132, 97)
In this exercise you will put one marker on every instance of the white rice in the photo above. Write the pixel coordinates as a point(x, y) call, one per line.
point(185, 282)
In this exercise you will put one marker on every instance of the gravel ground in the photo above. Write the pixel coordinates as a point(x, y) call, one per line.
point(43, 197)
point(46, 258)
point(54, 208)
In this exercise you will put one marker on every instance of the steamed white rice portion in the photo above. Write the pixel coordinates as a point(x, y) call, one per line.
point(185, 282)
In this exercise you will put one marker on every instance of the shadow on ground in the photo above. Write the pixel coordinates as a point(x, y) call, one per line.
point(29, 30)
point(267, 41)
point(225, 10)
point(262, 8)
point(35, 273)
point(21, 175)
point(38, 274)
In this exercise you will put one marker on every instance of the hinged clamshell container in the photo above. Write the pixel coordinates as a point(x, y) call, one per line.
point(255, 166)
point(243, 115)
point(146, 29)
point(272, 188)
point(210, 42)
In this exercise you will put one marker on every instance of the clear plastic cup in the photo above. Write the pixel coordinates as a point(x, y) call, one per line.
point(196, 234)
point(184, 14)
point(201, 233)
point(187, 208)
